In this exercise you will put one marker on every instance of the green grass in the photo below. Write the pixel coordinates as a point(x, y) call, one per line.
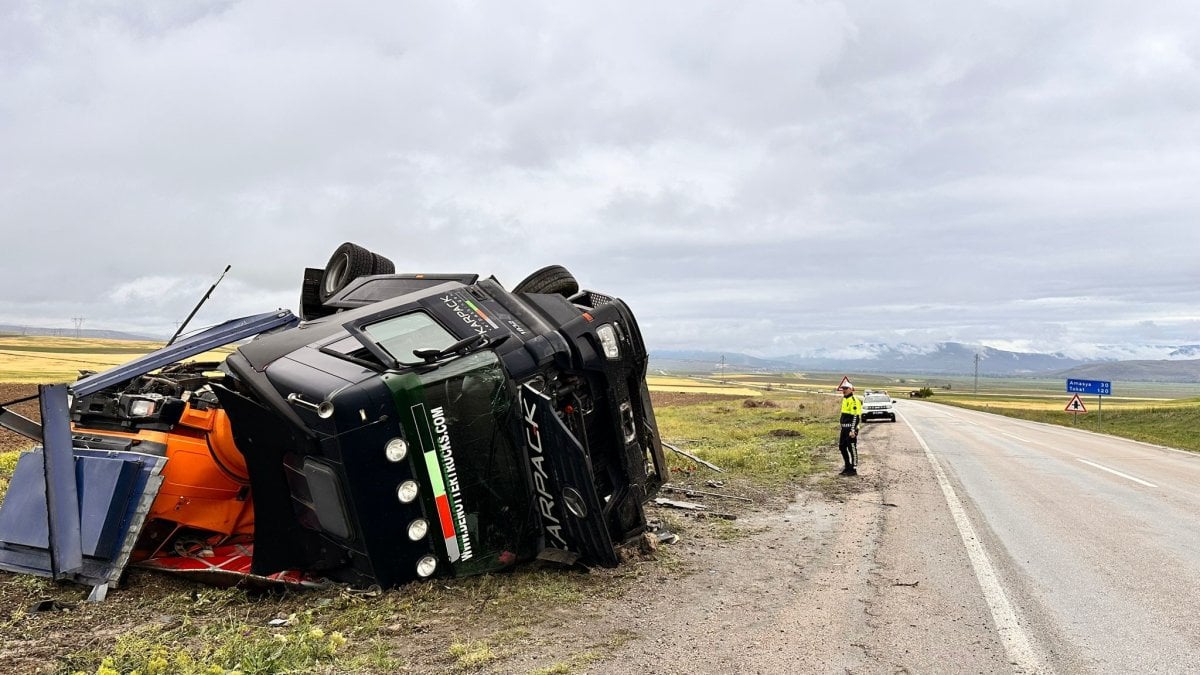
point(8, 464)
point(1173, 424)
point(770, 445)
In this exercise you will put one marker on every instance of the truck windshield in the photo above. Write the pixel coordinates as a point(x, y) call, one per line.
point(400, 335)
point(481, 506)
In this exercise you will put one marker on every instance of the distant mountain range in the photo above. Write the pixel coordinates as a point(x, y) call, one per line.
point(71, 332)
point(953, 358)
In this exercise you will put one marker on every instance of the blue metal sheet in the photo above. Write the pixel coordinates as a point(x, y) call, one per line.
point(23, 517)
point(62, 491)
point(105, 487)
point(117, 490)
point(210, 338)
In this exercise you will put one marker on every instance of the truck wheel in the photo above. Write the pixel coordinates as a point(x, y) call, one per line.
point(348, 262)
point(551, 280)
point(382, 265)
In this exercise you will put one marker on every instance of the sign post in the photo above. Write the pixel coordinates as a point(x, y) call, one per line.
point(1100, 388)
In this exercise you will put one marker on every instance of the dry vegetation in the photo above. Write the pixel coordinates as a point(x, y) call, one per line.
point(40, 359)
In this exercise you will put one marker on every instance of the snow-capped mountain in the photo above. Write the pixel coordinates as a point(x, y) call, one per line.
point(946, 358)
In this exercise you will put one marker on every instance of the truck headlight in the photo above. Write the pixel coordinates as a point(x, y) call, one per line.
point(417, 529)
point(426, 566)
point(407, 491)
point(396, 450)
point(608, 340)
point(141, 408)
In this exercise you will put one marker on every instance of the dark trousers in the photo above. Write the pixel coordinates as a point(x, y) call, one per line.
point(849, 448)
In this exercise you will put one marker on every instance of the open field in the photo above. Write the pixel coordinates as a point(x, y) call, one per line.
point(41, 359)
point(1163, 414)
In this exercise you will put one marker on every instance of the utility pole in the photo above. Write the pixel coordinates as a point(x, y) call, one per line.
point(976, 372)
point(722, 369)
point(78, 324)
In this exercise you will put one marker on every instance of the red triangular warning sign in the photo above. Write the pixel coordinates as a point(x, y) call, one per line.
point(1075, 406)
point(845, 383)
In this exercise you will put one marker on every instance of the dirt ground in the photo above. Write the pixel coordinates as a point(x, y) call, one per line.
point(11, 392)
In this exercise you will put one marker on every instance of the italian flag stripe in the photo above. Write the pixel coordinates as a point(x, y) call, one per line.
point(443, 506)
point(439, 494)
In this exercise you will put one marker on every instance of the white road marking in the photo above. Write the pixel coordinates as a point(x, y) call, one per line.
point(1005, 433)
point(1012, 635)
point(1116, 473)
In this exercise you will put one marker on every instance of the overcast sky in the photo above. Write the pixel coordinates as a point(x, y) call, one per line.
point(767, 177)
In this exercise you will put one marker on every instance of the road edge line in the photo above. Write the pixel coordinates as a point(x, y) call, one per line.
point(1012, 635)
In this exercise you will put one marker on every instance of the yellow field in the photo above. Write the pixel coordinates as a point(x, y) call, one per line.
point(686, 385)
point(1060, 402)
point(59, 359)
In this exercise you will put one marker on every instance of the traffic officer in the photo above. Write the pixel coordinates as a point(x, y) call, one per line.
point(848, 441)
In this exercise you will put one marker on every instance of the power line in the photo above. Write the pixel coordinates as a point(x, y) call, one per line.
point(78, 325)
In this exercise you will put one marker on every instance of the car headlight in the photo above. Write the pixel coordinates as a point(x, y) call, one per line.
point(396, 450)
point(608, 340)
point(426, 566)
point(407, 491)
point(417, 529)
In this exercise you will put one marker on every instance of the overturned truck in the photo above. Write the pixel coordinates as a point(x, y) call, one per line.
point(404, 426)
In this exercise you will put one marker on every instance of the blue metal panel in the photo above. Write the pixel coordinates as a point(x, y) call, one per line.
point(105, 487)
point(23, 517)
point(117, 489)
point(211, 338)
point(62, 492)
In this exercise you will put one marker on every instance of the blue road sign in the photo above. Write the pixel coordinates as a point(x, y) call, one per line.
point(1097, 387)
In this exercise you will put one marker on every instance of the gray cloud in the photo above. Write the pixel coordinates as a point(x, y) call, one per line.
point(771, 177)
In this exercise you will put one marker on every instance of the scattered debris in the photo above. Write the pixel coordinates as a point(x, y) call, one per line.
point(686, 506)
point(666, 537)
point(50, 606)
point(910, 585)
point(693, 493)
point(692, 457)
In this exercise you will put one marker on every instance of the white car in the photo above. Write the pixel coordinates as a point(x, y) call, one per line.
point(878, 405)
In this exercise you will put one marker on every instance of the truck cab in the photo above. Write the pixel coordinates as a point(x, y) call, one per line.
point(456, 427)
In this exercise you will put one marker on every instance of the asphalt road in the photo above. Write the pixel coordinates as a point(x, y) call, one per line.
point(1087, 547)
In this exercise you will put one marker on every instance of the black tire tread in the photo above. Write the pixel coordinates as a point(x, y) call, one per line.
point(360, 262)
point(553, 279)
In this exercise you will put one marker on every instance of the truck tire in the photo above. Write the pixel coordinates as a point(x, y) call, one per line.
point(554, 279)
point(382, 265)
point(348, 262)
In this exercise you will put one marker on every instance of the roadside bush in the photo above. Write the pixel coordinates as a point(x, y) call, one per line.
point(923, 392)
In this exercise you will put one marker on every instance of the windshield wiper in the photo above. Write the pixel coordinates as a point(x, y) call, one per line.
point(431, 355)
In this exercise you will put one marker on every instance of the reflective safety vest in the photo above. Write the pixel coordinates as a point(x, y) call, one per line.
point(851, 405)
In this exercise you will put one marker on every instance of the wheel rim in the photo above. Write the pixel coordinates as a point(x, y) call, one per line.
point(336, 273)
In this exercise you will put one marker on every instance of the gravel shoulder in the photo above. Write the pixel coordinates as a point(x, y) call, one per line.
point(854, 575)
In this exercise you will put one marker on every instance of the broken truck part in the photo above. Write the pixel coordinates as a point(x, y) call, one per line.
point(405, 426)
